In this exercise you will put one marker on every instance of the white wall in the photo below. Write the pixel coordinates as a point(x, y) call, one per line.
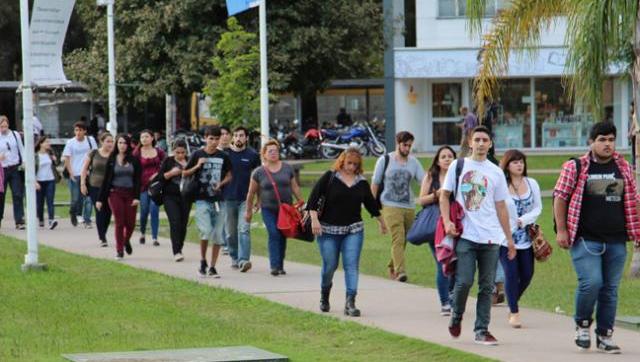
point(413, 117)
point(447, 33)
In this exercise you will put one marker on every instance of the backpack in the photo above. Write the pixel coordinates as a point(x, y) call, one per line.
point(553, 198)
point(381, 186)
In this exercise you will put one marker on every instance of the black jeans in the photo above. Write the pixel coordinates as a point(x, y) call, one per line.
point(103, 216)
point(15, 179)
point(177, 210)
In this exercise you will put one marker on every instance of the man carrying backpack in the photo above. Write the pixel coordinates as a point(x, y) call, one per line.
point(595, 209)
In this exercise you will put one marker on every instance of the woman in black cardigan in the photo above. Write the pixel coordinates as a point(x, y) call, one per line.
point(340, 228)
point(121, 188)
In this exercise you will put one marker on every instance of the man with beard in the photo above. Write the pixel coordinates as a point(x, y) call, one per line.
point(392, 179)
point(243, 161)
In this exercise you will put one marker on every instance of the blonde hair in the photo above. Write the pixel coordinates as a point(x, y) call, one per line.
point(271, 142)
point(349, 153)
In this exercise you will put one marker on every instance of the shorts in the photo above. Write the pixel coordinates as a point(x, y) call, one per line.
point(206, 217)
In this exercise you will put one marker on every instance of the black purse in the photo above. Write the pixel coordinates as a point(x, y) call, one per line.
point(156, 186)
point(305, 228)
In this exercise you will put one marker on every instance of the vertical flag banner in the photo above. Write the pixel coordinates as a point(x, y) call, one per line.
point(49, 22)
point(238, 6)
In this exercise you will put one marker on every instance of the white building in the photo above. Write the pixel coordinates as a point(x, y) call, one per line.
point(434, 73)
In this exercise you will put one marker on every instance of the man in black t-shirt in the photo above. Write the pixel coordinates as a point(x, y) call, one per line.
point(212, 169)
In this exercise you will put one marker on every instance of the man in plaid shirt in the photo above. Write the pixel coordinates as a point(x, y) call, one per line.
point(596, 213)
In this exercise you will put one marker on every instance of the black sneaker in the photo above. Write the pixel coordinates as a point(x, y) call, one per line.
point(142, 240)
point(203, 268)
point(275, 272)
point(74, 219)
point(52, 224)
point(282, 272)
point(583, 338)
point(605, 344)
point(213, 272)
point(119, 256)
point(41, 223)
point(127, 247)
point(156, 243)
point(20, 226)
point(103, 243)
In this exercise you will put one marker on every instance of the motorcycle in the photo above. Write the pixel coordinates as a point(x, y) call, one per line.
point(361, 136)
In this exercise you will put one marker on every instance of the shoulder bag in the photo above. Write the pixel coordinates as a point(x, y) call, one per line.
point(289, 217)
point(306, 233)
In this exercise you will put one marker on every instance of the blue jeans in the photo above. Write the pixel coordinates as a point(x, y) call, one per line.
point(469, 255)
point(46, 193)
point(239, 240)
point(80, 204)
point(148, 206)
point(350, 246)
point(500, 277)
point(277, 241)
point(13, 178)
point(518, 274)
point(443, 283)
point(599, 267)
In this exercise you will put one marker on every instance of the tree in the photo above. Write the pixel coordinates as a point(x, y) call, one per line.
point(235, 91)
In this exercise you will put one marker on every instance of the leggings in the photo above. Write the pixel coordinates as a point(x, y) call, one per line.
point(120, 200)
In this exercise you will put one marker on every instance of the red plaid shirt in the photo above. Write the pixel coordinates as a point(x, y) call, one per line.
point(571, 191)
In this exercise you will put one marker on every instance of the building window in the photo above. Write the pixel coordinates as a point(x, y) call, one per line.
point(512, 128)
point(447, 99)
point(458, 8)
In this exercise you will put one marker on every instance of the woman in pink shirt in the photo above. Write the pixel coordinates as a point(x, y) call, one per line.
point(150, 159)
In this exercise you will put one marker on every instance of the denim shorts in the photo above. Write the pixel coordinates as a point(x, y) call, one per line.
point(206, 218)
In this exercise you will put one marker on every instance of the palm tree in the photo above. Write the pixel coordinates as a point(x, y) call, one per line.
point(600, 34)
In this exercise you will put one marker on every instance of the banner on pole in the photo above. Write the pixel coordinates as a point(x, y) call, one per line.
point(238, 6)
point(49, 22)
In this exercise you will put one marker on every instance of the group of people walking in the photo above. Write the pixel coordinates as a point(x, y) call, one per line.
point(487, 210)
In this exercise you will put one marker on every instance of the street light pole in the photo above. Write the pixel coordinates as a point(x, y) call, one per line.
point(31, 259)
point(113, 111)
point(264, 86)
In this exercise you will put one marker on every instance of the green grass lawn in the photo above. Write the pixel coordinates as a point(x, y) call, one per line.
point(87, 305)
point(553, 284)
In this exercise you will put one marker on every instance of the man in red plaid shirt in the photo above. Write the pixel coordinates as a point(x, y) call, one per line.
point(596, 213)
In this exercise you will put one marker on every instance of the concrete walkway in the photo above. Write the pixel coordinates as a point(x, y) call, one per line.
point(404, 309)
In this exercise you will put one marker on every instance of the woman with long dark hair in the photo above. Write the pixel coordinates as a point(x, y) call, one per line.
point(430, 194)
point(525, 205)
point(91, 178)
point(46, 181)
point(121, 189)
point(150, 158)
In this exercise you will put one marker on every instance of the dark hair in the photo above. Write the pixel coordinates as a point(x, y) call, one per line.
point(40, 142)
point(103, 135)
point(115, 151)
point(243, 129)
point(212, 131)
point(404, 136)
point(179, 143)
point(150, 133)
point(225, 128)
point(434, 170)
point(602, 129)
point(80, 125)
point(482, 129)
point(510, 156)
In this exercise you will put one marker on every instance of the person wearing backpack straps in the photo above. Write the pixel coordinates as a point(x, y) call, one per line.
point(335, 205)
point(482, 193)
point(596, 213)
point(46, 178)
point(11, 150)
point(74, 153)
point(393, 174)
point(94, 169)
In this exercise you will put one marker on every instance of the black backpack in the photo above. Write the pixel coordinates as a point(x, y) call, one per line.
point(381, 187)
point(578, 167)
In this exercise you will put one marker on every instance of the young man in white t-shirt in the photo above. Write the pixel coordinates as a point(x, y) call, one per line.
point(74, 153)
point(481, 192)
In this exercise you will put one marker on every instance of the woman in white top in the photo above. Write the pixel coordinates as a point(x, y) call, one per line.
point(525, 205)
point(45, 180)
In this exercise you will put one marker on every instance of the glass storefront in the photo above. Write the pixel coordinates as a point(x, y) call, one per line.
point(513, 127)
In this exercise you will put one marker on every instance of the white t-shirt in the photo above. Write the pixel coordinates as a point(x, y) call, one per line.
point(482, 184)
point(45, 173)
point(12, 148)
point(77, 151)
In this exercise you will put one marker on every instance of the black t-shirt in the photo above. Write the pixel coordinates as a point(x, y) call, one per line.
point(211, 173)
point(602, 213)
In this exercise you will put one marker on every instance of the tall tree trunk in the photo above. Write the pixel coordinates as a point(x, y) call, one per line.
point(309, 110)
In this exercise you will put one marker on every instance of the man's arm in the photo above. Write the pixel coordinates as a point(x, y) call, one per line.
point(560, 214)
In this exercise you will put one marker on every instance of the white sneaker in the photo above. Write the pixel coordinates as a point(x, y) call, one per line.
point(178, 257)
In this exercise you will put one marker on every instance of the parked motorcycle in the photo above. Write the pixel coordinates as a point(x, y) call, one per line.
point(360, 136)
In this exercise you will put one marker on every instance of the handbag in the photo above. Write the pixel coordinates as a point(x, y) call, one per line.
point(189, 187)
point(306, 232)
point(156, 185)
point(542, 250)
point(424, 226)
point(289, 217)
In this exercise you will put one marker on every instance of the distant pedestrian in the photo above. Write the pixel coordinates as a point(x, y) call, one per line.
point(482, 192)
point(213, 171)
point(150, 158)
point(469, 122)
point(121, 189)
point(243, 161)
point(11, 152)
point(94, 170)
point(396, 170)
point(273, 183)
point(46, 178)
point(525, 206)
point(595, 210)
point(430, 194)
point(74, 154)
point(176, 207)
point(339, 228)
point(221, 223)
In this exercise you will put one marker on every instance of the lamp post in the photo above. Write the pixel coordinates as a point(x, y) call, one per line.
point(264, 78)
point(112, 126)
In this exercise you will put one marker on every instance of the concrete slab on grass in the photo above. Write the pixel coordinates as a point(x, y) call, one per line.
point(224, 354)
